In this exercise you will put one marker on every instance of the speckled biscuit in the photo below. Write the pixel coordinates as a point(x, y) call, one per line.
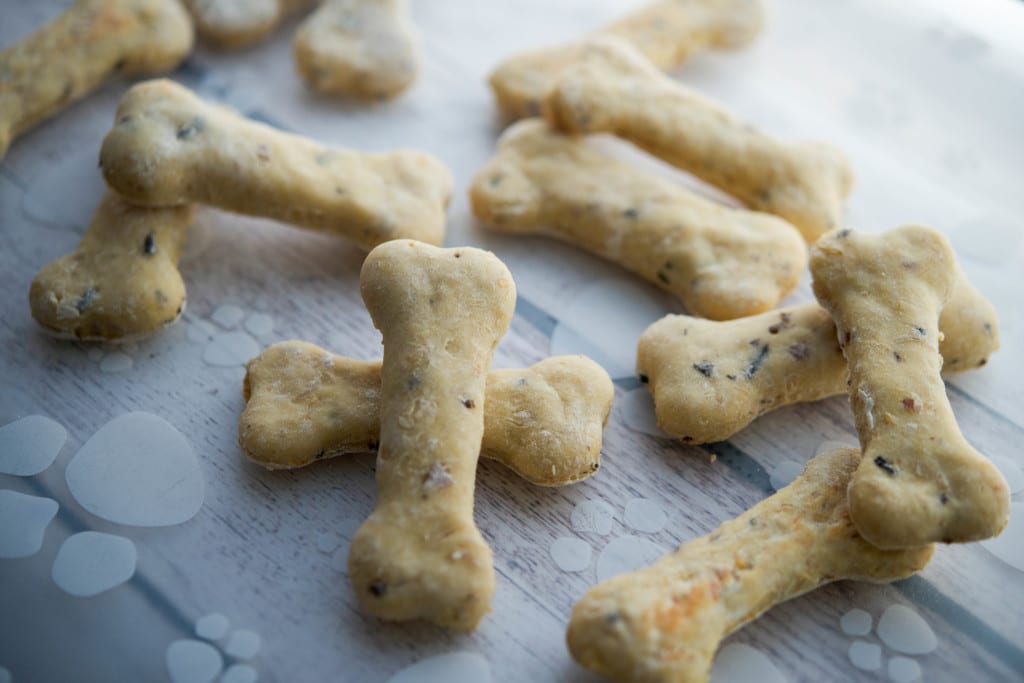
point(441, 313)
point(304, 404)
point(235, 23)
point(169, 147)
point(722, 263)
point(711, 379)
point(663, 624)
point(667, 32)
point(361, 48)
point(613, 89)
point(122, 280)
point(72, 55)
point(920, 481)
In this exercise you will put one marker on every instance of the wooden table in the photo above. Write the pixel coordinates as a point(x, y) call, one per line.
point(924, 97)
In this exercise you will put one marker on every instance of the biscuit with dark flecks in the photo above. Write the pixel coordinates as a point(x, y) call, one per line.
point(666, 31)
point(305, 404)
point(920, 481)
point(612, 88)
point(663, 624)
point(441, 312)
point(721, 262)
point(169, 147)
point(92, 41)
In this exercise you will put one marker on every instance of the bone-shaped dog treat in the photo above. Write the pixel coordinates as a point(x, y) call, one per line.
point(920, 481)
point(76, 52)
point(234, 23)
point(663, 624)
point(721, 262)
point(711, 379)
point(169, 147)
point(667, 32)
point(122, 280)
point(441, 313)
point(363, 48)
point(305, 404)
point(613, 89)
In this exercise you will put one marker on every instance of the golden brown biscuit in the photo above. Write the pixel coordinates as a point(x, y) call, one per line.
point(441, 313)
point(722, 263)
point(72, 55)
point(235, 23)
point(613, 89)
point(305, 404)
point(664, 623)
point(667, 32)
point(122, 280)
point(709, 379)
point(920, 481)
point(169, 147)
point(361, 48)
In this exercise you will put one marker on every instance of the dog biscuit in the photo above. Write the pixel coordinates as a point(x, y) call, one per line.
point(90, 42)
point(169, 147)
point(667, 32)
point(709, 380)
point(722, 263)
point(441, 313)
point(613, 89)
point(663, 624)
point(362, 48)
point(235, 23)
point(920, 481)
point(305, 404)
point(122, 280)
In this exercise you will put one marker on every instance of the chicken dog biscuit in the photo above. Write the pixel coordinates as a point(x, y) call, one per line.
point(122, 280)
point(920, 481)
point(441, 313)
point(613, 89)
point(169, 147)
point(710, 379)
point(72, 55)
point(722, 263)
point(362, 48)
point(667, 32)
point(305, 404)
point(663, 624)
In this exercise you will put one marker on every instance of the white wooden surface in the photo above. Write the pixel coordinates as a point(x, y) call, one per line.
point(925, 97)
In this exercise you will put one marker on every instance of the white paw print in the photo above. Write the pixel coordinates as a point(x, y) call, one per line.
point(136, 470)
point(111, 358)
point(231, 337)
point(198, 661)
point(900, 629)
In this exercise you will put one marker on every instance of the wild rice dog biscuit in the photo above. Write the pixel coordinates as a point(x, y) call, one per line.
point(920, 481)
point(667, 32)
point(441, 313)
point(362, 48)
point(304, 404)
point(235, 23)
point(90, 42)
point(664, 623)
point(169, 147)
point(613, 89)
point(721, 262)
point(709, 379)
point(122, 280)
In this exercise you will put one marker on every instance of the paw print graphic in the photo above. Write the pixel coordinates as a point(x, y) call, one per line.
point(136, 471)
point(900, 629)
point(202, 659)
point(230, 336)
